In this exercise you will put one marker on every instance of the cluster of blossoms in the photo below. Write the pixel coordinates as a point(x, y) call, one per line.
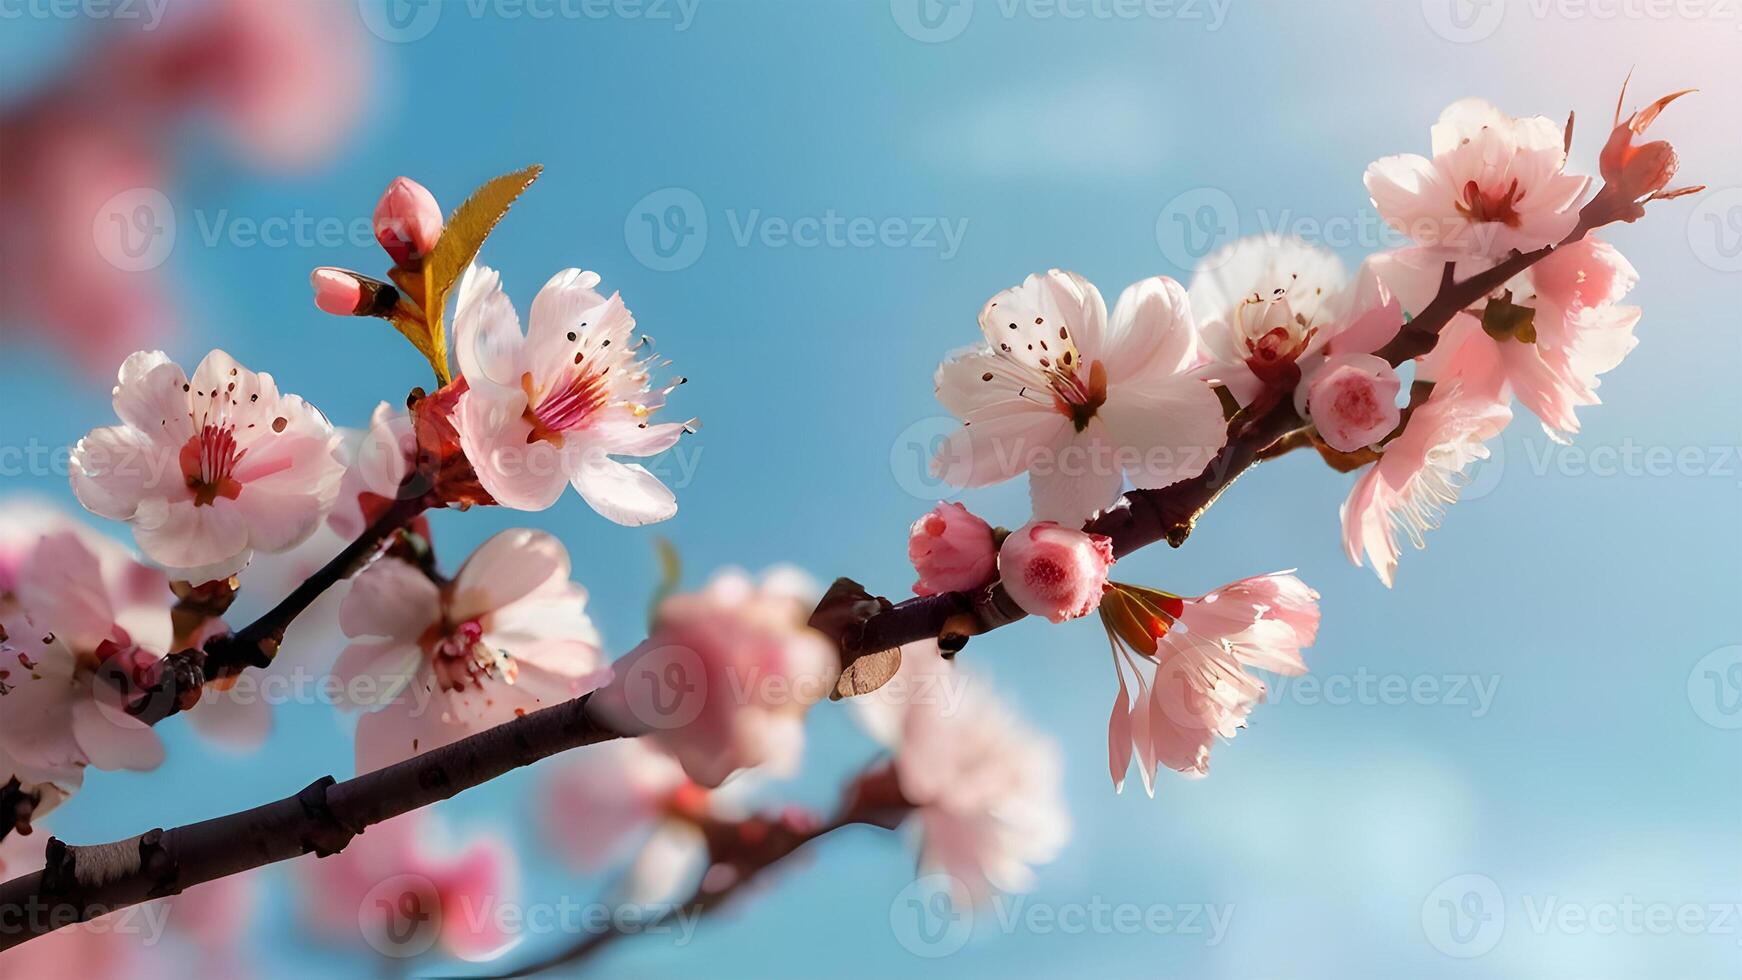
point(1089, 406)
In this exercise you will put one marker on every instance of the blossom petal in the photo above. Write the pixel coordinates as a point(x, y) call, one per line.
point(995, 448)
point(113, 739)
point(488, 343)
point(180, 535)
point(1167, 431)
point(506, 569)
point(520, 473)
point(1081, 477)
point(1151, 332)
point(116, 467)
point(623, 492)
point(391, 599)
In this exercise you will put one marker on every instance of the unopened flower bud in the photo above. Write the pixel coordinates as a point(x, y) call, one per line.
point(952, 550)
point(408, 221)
point(337, 291)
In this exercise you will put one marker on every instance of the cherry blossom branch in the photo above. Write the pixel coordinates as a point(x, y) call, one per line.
point(77, 884)
point(177, 679)
point(1143, 517)
point(80, 883)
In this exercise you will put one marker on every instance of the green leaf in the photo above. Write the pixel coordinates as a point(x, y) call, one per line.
point(462, 237)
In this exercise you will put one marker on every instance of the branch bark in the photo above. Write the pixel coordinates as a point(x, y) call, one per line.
point(81, 883)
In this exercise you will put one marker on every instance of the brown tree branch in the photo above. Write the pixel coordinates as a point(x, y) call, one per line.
point(81, 883)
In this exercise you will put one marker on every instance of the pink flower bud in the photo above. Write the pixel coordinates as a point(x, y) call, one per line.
point(336, 291)
point(952, 550)
point(1352, 399)
point(407, 221)
point(1055, 571)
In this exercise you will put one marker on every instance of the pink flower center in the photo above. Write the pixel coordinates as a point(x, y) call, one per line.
point(1495, 205)
point(461, 659)
point(1355, 404)
point(1048, 577)
point(207, 461)
point(565, 407)
point(1075, 399)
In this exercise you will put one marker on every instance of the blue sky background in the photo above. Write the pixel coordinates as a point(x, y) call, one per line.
point(1595, 597)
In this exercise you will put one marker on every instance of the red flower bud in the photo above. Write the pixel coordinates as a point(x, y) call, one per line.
point(1636, 172)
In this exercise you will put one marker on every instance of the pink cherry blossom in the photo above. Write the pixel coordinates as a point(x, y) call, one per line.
point(445, 892)
point(80, 604)
point(952, 550)
point(1577, 329)
point(1418, 475)
point(1055, 572)
point(407, 221)
point(1191, 658)
point(1352, 400)
point(437, 662)
point(550, 407)
point(1264, 305)
point(1077, 403)
point(1494, 184)
point(725, 677)
point(209, 468)
point(986, 788)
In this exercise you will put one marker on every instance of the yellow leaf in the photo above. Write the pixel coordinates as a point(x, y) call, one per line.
point(462, 237)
